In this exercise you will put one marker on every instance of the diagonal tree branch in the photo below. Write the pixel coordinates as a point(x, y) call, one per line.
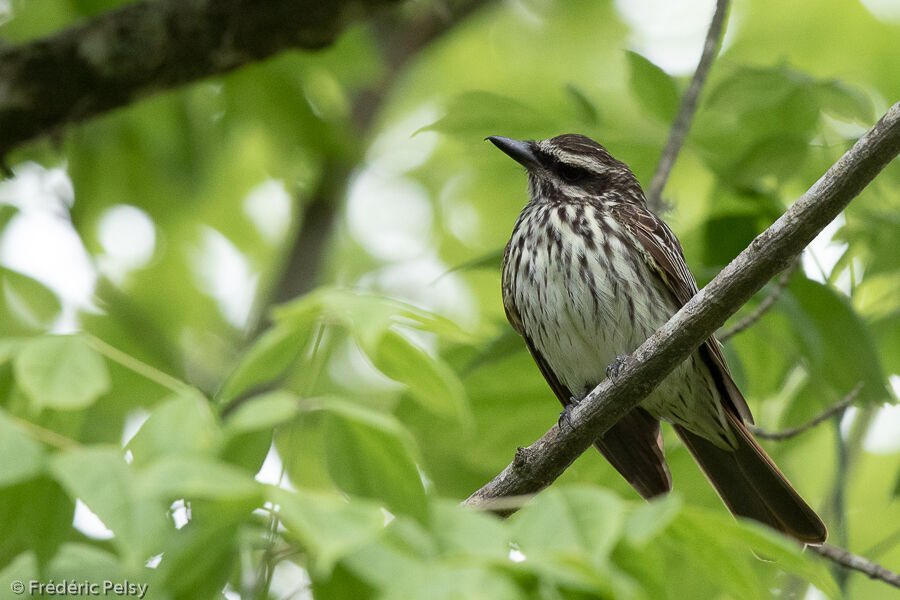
point(682, 122)
point(146, 47)
point(772, 251)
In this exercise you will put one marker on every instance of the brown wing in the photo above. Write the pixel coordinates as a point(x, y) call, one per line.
point(664, 253)
point(633, 445)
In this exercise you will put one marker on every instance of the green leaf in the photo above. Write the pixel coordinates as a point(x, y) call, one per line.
point(490, 260)
point(409, 549)
point(508, 343)
point(654, 88)
point(9, 347)
point(369, 454)
point(587, 109)
point(247, 451)
point(85, 562)
point(748, 107)
point(367, 316)
point(725, 236)
point(750, 89)
point(104, 482)
point(744, 534)
point(432, 383)
point(35, 515)
point(462, 531)
point(328, 526)
point(449, 582)
point(843, 351)
point(404, 547)
point(269, 356)
point(341, 582)
point(776, 158)
point(569, 531)
point(896, 491)
point(61, 373)
point(872, 234)
point(26, 306)
point(175, 477)
point(21, 456)
point(183, 425)
point(262, 412)
point(721, 555)
point(248, 430)
point(22, 568)
point(887, 335)
point(198, 558)
point(647, 520)
point(301, 445)
point(846, 102)
point(478, 114)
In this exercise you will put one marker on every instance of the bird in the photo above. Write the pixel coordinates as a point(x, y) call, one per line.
point(588, 274)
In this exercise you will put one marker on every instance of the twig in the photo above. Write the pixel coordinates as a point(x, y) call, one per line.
point(838, 504)
point(141, 368)
point(42, 434)
point(790, 432)
point(857, 563)
point(682, 123)
point(263, 580)
point(765, 306)
point(772, 251)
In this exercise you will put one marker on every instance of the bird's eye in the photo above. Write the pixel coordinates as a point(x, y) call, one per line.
point(571, 174)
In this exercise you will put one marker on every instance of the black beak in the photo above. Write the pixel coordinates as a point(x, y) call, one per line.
point(519, 151)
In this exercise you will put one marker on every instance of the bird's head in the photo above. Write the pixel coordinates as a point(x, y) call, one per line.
point(572, 167)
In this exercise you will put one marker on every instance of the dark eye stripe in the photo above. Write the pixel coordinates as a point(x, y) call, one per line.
point(570, 173)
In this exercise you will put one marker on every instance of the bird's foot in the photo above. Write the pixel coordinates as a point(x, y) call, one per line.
point(612, 371)
point(565, 417)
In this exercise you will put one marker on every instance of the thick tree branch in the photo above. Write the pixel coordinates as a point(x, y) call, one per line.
point(857, 563)
point(772, 251)
point(786, 434)
point(688, 107)
point(151, 46)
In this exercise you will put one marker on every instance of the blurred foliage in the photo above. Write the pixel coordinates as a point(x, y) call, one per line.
point(395, 389)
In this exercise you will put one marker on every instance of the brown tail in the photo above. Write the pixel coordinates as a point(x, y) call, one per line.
point(634, 447)
point(752, 486)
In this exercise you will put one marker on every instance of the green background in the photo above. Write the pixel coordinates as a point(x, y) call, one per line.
point(395, 387)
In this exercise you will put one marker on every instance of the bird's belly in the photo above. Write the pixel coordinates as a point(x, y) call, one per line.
point(581, 308)
point(581, 315)
point(581, 328)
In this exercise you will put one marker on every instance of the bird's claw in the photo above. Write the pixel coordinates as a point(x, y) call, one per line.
point(612, 371)
point(565, 417)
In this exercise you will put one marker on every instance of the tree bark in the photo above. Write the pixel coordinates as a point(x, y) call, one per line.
point(151, 46)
